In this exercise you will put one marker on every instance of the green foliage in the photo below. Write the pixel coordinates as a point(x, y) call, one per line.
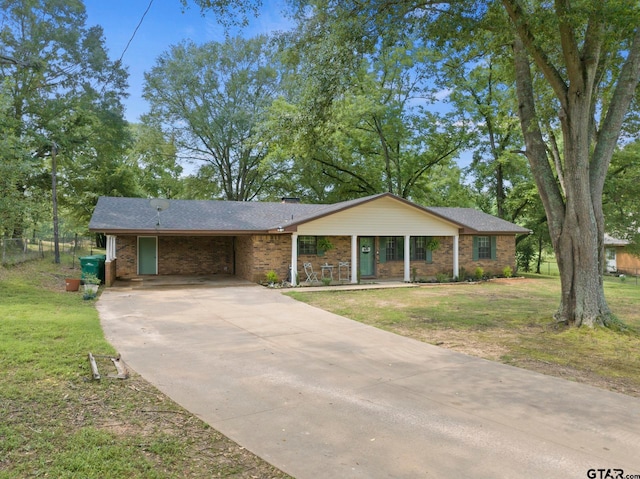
point(155, 156)
point(324, 244)
point(90, 278)
point(507, 272)
point(442, 277)
point(463, 274)
point(271, 277)
point(433, 244)
point(353, 126)
point(210, 99)
point(621, 193)
point(479, 273)
point(62, 90)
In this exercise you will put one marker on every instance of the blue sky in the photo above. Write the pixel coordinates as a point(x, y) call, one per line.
point(165, 24)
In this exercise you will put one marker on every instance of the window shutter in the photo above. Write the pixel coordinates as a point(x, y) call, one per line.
point(428, 256)
point(475, 248)
point(400, 243)
point(319, 251)
point(493, 247)
point(382, 243)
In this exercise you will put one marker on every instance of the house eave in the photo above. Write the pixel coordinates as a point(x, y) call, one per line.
point(168, 232)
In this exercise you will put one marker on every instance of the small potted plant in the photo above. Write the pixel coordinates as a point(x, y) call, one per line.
point(91, 283)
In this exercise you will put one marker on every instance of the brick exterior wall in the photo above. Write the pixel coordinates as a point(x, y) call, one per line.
point(179, 255)
point(341, 252)
point(244, 257)
point(109, 272)
point(126, 256)
point(257, 254)
point(505, 256)
point(441, 262)
point(197, 255)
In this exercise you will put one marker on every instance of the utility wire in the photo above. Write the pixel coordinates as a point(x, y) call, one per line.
point(136, 30)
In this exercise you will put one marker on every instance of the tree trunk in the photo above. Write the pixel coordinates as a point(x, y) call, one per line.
point(573, 226)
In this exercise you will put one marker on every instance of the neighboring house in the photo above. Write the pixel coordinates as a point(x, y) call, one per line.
point(365, 238)
point(619, 260)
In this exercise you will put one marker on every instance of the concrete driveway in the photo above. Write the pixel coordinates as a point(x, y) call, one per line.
point(321, 396)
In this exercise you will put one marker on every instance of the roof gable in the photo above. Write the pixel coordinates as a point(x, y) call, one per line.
point(381, 215)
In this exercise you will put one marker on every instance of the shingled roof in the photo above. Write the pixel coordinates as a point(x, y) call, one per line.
point(479, 221)
point(127, 215)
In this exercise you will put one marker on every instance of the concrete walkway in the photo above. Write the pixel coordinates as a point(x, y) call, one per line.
point(321, 396)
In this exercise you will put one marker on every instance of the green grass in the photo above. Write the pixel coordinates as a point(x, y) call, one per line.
point(56, 422)
point(507, 321)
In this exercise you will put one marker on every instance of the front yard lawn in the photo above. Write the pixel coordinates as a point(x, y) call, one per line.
point(505, 320)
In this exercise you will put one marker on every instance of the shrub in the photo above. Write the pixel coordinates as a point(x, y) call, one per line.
point(463, 275)
point(271, 277)
point(442, 278)
point(507, 272)
point(479, 274)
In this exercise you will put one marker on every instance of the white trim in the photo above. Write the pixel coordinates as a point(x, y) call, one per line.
point(355, 267)
point(456, 265)
point(407, 259)
point(294, 259)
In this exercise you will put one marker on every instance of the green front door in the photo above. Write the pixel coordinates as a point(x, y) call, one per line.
point(147, 255)
point(367, 251)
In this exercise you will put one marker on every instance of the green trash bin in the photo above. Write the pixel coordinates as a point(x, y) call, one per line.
point(93, 264)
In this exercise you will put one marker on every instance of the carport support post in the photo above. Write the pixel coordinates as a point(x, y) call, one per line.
point(111, 247)
point(294, 259)
point(354, 260)
point(407, 259)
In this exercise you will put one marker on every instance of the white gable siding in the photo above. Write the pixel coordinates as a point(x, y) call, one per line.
point(381, 217)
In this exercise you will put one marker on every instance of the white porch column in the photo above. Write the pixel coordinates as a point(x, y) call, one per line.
point(294, 258)
point(407, 259)
point(456, 266)
point(354, 259)
point(111, 248)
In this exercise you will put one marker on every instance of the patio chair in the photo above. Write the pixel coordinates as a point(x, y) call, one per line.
point(344, 271)
point(311, 275)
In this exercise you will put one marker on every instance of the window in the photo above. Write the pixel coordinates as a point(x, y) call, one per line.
point(392, 248)
point(484, 247)
point(419, 248)
point(307, 245)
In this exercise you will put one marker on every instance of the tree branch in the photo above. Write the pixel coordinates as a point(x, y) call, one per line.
point(517, 15)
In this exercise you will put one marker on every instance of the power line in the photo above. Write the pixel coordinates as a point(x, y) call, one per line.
point(136, 30)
